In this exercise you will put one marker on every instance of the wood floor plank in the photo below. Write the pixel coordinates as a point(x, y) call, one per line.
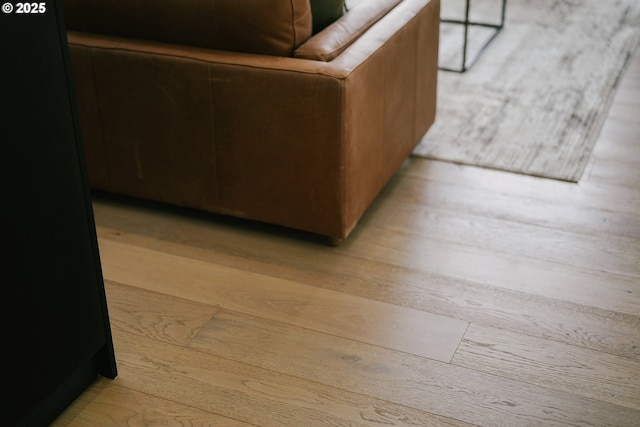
point(614, 254)
point(520, 311)
point(512, 206)
point(139, 322)
point(106, 404)
point(616, 157)
point(628, 95)
point(158, 316)
point(358, 318)
point(617, 162)
point(550, 364)
point(509, 270)
point(583, 194)
point(425, 384)
point(611, 172)
point(626, 110)
point(619, 133)
point(626, 152)
point(251, 394)
point(210, 241)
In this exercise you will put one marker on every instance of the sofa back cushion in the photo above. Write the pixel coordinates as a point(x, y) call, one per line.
point(269, 27)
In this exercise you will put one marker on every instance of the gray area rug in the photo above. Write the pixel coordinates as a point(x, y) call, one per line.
point(536, 99)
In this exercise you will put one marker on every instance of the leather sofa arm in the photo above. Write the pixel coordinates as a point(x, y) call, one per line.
point(338, 36)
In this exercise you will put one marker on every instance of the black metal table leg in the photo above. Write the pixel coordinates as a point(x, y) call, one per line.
point(467, 22)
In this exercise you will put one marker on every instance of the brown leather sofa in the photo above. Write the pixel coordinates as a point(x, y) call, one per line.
point(237, 107)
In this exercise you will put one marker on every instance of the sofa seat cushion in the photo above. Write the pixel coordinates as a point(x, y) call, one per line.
point(274, 27)
point(338, 36)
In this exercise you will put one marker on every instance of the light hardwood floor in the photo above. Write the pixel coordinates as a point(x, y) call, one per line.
point(466, 296)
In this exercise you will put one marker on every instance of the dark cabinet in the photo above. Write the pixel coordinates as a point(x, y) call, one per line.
point(55, 333)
